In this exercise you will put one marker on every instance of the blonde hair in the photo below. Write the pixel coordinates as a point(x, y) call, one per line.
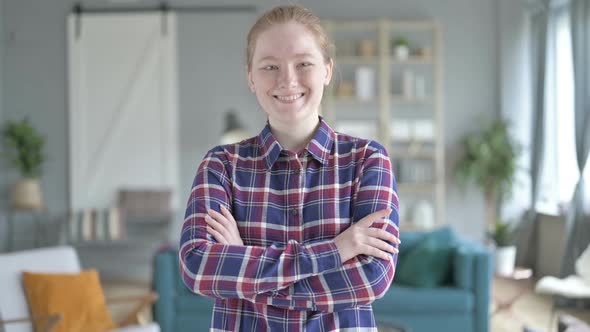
point(286, 14)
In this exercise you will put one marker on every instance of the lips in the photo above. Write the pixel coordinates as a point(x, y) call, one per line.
point(289, 98)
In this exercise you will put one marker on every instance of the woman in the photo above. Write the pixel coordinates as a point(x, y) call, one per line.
point(296, 228)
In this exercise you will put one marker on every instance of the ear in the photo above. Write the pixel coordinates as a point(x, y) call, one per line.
point(329, 69)
point(250, 82)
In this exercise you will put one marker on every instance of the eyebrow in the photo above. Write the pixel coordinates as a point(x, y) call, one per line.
point(298, 55)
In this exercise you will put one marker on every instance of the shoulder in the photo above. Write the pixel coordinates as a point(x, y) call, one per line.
point(230, 153)
point(361, 147)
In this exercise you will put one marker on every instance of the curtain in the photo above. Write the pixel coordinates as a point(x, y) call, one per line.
point(578, 220)
point(526, 238)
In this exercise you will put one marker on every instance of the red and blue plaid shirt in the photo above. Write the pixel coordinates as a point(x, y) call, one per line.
point(289, 207)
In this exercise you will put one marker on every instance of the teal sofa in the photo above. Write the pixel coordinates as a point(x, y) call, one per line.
point(177, 309)
point(460, 305)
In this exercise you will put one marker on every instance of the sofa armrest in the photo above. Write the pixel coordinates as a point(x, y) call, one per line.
point(473, 270)
point(164, 282)
point(51, 321)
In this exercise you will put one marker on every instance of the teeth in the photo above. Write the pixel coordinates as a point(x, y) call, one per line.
point(290, 98)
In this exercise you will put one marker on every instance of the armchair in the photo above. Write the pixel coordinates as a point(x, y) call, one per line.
point(14, 311)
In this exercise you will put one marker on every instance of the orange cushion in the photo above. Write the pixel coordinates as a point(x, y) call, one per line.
point(77, 296)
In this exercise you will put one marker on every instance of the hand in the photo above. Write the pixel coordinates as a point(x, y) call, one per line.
point(223, 227)
point(360, 238)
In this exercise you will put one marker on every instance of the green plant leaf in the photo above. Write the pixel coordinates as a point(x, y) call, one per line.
point(24, 147)
point(489, 159)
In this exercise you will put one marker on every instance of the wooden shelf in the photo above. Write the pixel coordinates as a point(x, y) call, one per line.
point(416, 188)
point(399, 153)
point(354, 99)
point(400, 99)
point(412, 60)
point(413, 25)
point(356, 60)
point(387, 107)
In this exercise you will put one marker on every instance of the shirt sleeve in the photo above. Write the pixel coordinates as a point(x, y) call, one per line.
point(228, 271)
point(362, 279)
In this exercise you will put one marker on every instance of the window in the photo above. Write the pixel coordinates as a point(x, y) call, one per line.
point(560, 171)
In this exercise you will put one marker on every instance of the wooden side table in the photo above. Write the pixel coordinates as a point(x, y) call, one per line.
point(519, 275)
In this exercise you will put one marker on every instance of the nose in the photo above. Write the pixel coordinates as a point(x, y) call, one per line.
point(287, 77)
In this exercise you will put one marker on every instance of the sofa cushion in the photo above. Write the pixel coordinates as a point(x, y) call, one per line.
point(411, 239)
point(429, 262)
point(401, 299)
point(78, 297)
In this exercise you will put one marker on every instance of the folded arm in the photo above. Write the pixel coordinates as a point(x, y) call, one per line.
point(233, 271)
point(362, 279)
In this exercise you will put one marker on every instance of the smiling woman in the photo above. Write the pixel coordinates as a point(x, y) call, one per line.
point(296, 228)
point(287, 70)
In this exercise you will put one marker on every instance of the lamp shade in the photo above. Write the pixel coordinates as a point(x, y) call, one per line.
point(234, 131)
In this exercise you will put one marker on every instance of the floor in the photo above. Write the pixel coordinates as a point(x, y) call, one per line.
point(531, 310)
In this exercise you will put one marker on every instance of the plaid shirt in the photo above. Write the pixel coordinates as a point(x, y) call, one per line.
point(289, 207)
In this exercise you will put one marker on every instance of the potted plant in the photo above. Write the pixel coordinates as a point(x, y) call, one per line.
point(401, 48)
point(490, 161)
point(501, 235)
point(24, 151)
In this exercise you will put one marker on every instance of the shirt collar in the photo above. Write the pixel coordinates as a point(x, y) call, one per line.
point(319, 147)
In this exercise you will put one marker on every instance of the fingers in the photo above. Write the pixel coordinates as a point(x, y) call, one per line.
point(368, 220)
point(225, 225)
point(218, 217)
point(217, 226)
point(382, 245)
point(227, 214)
point(217, 235)
point(384, 235)
point(372, 251)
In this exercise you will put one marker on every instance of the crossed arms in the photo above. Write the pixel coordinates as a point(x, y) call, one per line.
point(293, 276)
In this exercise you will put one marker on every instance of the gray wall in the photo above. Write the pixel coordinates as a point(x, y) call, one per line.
point(3, 179)
point(210, 56)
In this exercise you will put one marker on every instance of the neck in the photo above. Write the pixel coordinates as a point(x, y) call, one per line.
point(295, 137)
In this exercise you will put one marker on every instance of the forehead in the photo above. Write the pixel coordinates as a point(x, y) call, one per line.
point(283, 40)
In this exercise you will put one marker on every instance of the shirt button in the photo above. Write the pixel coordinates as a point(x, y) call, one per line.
point(294, 212)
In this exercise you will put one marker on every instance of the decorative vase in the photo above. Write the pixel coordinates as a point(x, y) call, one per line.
point(423, 217)
point(365, 83)
point(27, 195)
point(401, 52)
point(505, 258)
point(367, 48)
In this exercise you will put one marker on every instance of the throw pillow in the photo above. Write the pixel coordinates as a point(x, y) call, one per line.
point(78, 297)
point(411, 240)
point(428, 264)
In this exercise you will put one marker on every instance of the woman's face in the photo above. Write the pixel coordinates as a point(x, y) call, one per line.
point(288, 73)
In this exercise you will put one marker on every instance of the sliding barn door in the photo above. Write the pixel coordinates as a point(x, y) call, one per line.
point(123, 105)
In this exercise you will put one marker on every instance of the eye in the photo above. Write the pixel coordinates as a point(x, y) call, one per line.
point(305, 64)
point(270, 67)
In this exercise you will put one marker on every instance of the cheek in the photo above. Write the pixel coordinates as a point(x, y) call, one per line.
point(262, 82)
point(315, 81)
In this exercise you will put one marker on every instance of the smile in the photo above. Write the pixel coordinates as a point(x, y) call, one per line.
point(290, 98)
